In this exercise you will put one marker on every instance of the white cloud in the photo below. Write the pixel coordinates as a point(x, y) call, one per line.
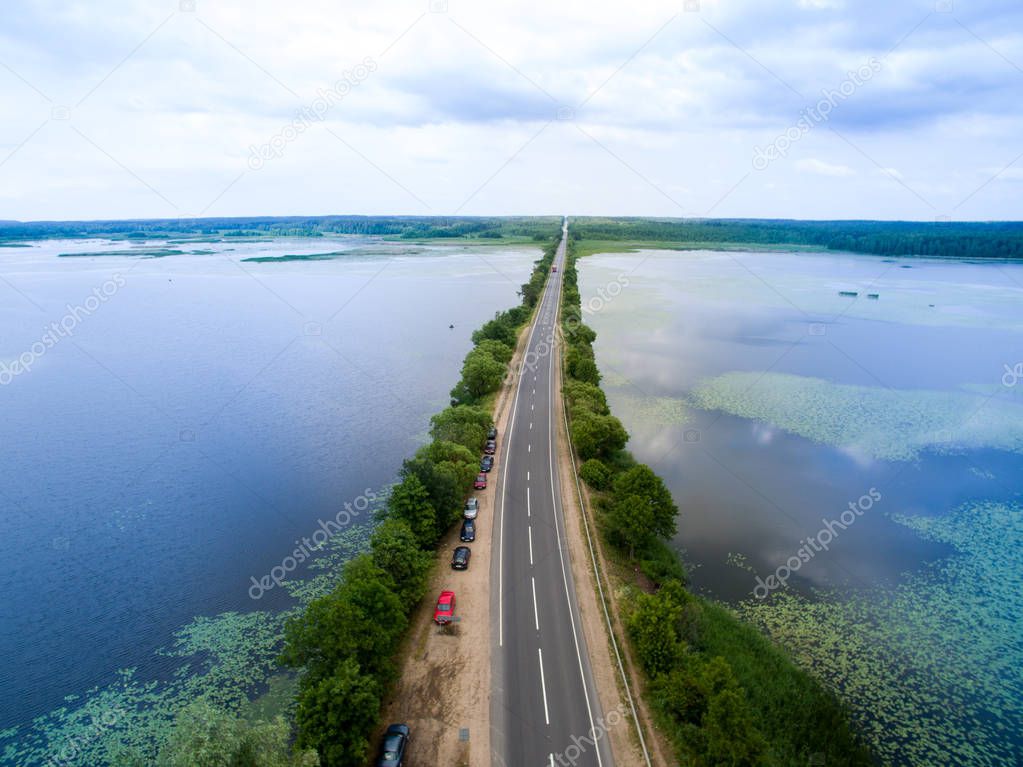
point(677, 101)
point(821, 168)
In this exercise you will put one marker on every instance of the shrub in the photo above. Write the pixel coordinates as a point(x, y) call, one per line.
point(629, 524)
point(597, 436)
point(581, 394)
point(481, 374)
point(410, 502)
point(595, 474)
point(660, 564)
point(580, 364)
point(463, 424)
point(206, 736)
point(654, 628)
point(642, 481)
point(336, 714)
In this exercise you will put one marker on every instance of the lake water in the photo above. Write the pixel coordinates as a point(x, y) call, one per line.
point(193, 419)
point(769, 401)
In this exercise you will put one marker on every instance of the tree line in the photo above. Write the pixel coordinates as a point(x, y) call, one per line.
point(537, 228)
point(345, 644)
point(958, 239)
point(722, 692)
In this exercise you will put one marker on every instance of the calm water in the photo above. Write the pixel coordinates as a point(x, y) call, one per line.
point(201, 418)
point(769, 402)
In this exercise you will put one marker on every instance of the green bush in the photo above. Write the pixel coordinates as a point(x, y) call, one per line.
point(500, 351)
point(586, 395)
point(481, 374)
point(630, 523)
point(463, 424)
point(501, 329)
point(410, 502)
point(653, 626)
point(597, 436)
point(206, 736)
point(580, 364)
point(396, 551)
point(641, 481)
point(595, 474)
point(337, 712)
point(660, 564)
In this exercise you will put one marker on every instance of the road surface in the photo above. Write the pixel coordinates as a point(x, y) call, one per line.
point(544, 704)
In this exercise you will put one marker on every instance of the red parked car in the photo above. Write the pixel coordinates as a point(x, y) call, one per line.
point(481, 481)
point(445, 610)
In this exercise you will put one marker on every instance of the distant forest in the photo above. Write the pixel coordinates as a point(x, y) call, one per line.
point(887, 238)
point(405, 227)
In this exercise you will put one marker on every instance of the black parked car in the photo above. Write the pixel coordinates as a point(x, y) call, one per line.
point(394, 747)
point(492, 434)
point(468, 532)
point(487, 463)
point(460, 559)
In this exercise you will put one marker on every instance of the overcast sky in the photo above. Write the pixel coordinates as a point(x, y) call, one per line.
point(796, 108)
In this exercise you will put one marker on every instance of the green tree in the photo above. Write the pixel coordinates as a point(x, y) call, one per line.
point(498, 329)
point(361, 620)
point(630, 524)
point(654, 628)
point(481, 373)
point(597, 436)
point(443, 486)
point(410, 501)
point(642, 481)
point(207, 736)
point(453, 459)
point(596, 474)
point(580, 364)
point(732, 736)
point(499, 350)
point(581, 394)
point(336, 714)
point(396, 551)
point(464, 424)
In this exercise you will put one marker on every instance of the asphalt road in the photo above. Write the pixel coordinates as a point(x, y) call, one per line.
point(544, 704)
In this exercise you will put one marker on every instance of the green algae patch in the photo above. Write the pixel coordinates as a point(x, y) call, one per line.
point(224, 659)
point(931, 668)
point(643, 411)
point(888, 424)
